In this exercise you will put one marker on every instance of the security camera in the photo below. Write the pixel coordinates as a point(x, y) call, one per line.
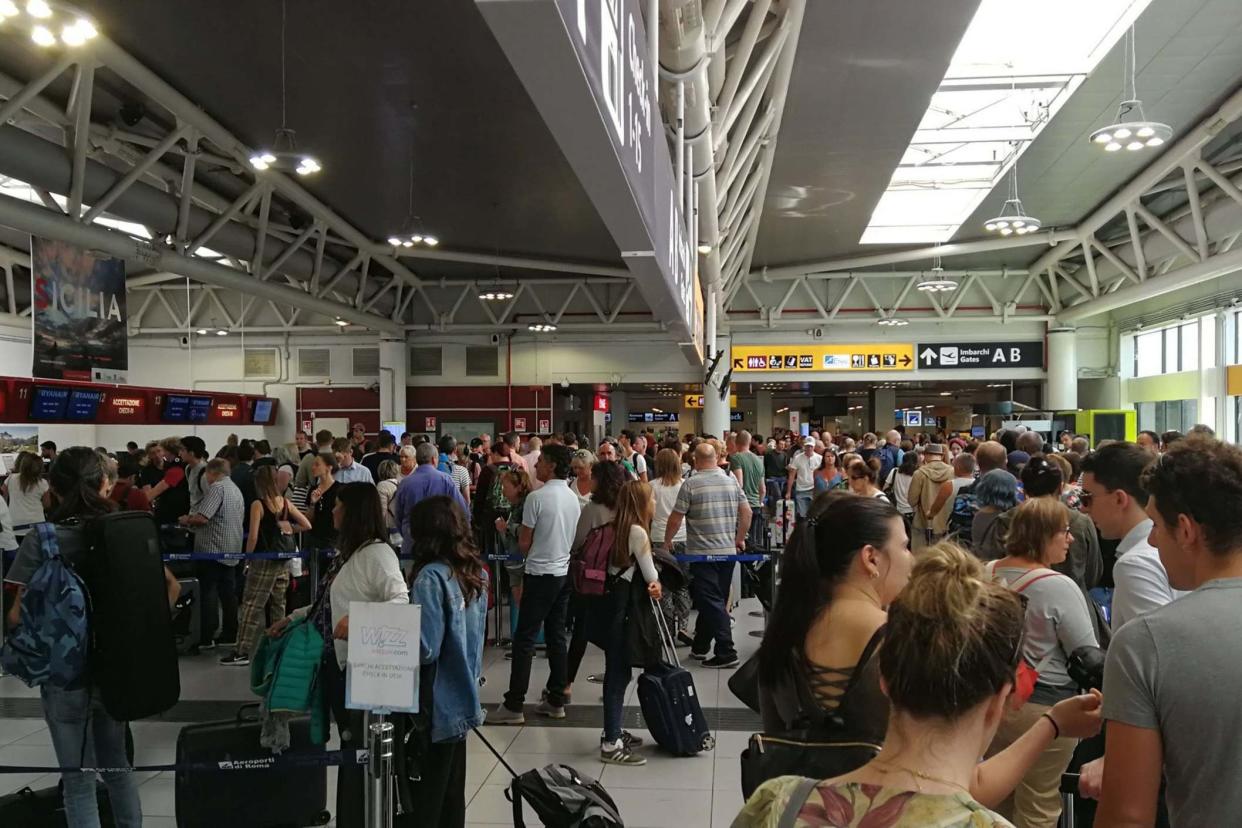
point(185, 341)
point(495, 339)
point(565, 382)
point(132, 112)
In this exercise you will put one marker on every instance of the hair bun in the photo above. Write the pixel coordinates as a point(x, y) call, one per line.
point(945, 584)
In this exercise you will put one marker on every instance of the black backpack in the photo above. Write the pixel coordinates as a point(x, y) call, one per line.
point(962, 518)
point(560, 796)
point(133, 658)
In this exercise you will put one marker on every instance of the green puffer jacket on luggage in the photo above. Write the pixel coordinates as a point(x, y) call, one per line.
point(285, 672)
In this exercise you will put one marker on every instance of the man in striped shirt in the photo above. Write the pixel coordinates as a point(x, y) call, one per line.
point(217, 521)
point(717, 518)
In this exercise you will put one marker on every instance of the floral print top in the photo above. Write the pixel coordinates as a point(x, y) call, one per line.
point(858, 805)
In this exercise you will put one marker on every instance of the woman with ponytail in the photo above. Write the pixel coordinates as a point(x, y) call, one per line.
point(450, 584)
point(952, 643)
point(83, 734)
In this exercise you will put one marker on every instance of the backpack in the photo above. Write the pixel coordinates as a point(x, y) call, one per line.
point(560, 795)
point(496, 500)
point(51, 642)
point(588, 570)
point(445, 465)
point(962, 518)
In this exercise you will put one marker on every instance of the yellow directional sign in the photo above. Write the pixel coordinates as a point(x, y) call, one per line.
point(696, 401)
point(801, 358)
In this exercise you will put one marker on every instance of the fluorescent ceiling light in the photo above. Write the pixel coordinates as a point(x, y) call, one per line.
point(1015, 67)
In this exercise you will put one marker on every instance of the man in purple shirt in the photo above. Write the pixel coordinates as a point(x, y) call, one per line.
point(424, 482)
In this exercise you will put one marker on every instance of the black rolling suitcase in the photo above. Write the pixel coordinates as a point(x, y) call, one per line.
point(266, 798)
point(45, 808)
point(670, 705)
point(187, 619)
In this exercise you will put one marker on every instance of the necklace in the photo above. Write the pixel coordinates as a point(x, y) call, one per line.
point(893, 767)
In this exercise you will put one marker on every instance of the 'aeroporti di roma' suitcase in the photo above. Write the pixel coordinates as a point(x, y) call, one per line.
point(187, 618)
point(262, 798)
point(670, 704)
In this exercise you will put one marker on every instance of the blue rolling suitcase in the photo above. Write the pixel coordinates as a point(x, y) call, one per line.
point(670, 705)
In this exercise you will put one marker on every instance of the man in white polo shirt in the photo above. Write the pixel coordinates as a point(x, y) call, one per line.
point(801, 484)
point(549, 519)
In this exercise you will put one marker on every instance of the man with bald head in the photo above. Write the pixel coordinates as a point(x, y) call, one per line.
point(1032, 442)
point(717, 518)
point(990, 455)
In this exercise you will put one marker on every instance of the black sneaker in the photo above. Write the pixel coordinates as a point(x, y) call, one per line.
point(630, 740)
point(698, 656)
point(721, 662)
point(236, 660)
point(684, 639)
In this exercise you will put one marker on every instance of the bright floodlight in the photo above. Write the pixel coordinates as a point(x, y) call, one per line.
point(39, 9)
point(42, 36)
point(7, 8)
point(430, 241)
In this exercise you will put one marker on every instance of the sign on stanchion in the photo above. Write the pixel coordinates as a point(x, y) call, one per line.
point(382, 678)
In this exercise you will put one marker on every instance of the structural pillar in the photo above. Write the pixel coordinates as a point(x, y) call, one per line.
point(763, 413)
point(715, 411)
point(393, 372)
point(880, 405)
point(1061, 389)
point(619, 404)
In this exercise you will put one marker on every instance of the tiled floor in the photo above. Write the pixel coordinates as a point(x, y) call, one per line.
point(697, 792)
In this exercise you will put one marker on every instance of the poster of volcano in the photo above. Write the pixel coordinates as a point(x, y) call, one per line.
point(80, 331)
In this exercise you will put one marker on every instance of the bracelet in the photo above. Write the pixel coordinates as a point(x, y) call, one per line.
point(1055, 727)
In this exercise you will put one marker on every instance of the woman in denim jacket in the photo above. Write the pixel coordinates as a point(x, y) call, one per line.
point(450, 584)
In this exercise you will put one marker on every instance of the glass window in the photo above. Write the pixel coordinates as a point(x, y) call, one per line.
point(1207, 335)
point(1146, 416)
point(1170, 350)
point(1190, 347)
point(1148, 354)
point(1190, 414)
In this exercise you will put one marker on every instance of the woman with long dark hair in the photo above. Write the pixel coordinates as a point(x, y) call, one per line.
point(450, 584)
point(609, 476)
point(83, 734)
point(322, 501)
point(364, 569)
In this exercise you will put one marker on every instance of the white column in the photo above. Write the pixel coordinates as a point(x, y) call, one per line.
point(1061, 389)
point(763, 413)
point(394, 368)
point(715, 411)
point(619, 404)
point(881, 402)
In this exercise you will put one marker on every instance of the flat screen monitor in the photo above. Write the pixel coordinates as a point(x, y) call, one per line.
point(830, 406)
point(48, 403)
point(183, 408)
point(263, 411)
point(394, 427)
point(83, 405)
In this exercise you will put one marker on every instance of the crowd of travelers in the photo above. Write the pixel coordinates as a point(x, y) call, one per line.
point(976, 611)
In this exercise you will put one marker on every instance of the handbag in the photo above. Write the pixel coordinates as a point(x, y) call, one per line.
point(744, 683)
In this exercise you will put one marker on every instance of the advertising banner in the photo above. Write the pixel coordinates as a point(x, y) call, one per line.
point(79, 314)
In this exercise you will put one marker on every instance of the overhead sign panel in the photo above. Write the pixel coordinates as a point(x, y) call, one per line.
point(585, 65)
point(951, 356)
point(696, 401)
point(885, 356)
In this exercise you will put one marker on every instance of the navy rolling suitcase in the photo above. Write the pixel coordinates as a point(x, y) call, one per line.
point(261, 798)
point(670, 705)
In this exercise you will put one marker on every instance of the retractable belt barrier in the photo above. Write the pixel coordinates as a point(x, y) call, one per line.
point(259, 761)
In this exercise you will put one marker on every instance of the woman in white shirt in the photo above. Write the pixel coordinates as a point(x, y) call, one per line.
point(664, 488)
point(389, 475)
point(631, 553)
point(26, 490)
point(582, 485)
point(862, 477)
point(898, 483)
point(365, 570)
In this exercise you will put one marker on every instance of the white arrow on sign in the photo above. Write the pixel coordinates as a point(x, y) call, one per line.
point(928, 355)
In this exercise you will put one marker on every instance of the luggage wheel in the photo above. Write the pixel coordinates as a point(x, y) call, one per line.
point(708, 743)
point(323, 818)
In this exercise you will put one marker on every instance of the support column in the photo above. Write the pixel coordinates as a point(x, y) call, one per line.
point(619, 403)
point(763, 413)
point(1061, 389)
point(393, 372)
point(880, 405)
point(715, 411)
point(1213, 387)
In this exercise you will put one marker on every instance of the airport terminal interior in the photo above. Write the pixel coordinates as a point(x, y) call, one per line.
point(290, 269)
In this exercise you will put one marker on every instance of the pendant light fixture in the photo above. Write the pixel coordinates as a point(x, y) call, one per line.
point(936, 281)
point(49, 23)
point(1131, 129)
point(1013, 219)
point(284, 154)
point(413, 232)
point(892, 322)
point(495, 293)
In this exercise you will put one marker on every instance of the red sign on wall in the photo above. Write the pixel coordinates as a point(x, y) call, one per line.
point(124, 407)
point(225, 412)
point(519, 423)
point(545, 426)
point(601, 403)
point(429, 423)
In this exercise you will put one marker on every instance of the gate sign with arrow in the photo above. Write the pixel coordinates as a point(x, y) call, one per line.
point(875, 356)
point(949, 356)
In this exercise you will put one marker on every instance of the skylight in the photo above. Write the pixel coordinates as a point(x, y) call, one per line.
point(1014, 68)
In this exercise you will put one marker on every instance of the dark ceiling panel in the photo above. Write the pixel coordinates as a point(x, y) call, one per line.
point(488, 174)
point(862, 78)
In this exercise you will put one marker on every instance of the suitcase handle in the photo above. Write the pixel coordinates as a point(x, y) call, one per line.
point(241, 712)
point(668, 645)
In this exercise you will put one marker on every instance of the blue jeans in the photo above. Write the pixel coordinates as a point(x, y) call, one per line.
point(709, 585)
point(802, 502)
point(84, 735)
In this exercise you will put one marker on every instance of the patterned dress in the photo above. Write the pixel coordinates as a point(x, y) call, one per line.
point(858, 805)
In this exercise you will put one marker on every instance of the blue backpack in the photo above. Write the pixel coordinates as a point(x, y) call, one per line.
point(51, 642)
